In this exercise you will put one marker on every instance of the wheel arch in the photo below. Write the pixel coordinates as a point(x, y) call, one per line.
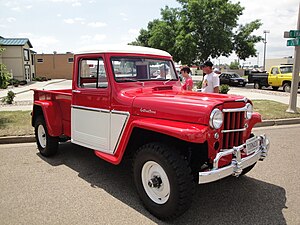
point(52, 115)
point(195, 153)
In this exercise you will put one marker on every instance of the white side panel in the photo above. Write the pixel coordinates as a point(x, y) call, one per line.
point(90, 128)
point(118, 122)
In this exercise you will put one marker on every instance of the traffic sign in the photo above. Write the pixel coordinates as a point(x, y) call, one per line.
point(294, 33)
point(293, 42)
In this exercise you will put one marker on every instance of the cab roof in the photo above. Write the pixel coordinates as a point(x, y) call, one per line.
point(125, 49)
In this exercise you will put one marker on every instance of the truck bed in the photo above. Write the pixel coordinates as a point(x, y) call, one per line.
point(260, 78)
point(61, 102)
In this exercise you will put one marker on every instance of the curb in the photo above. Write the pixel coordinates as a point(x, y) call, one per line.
point(17, 139)
point(265, 123)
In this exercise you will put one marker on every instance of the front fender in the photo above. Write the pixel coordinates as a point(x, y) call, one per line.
point(195, 133)
point(256, 118)
point(52, 115)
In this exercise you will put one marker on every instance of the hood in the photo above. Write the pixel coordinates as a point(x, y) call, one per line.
point(177, 105)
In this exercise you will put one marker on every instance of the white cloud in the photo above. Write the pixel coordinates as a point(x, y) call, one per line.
point(99, 37)
point(84, 39)
point(17, 9)
point(75, 20)
point(124, 16)
point(11, 19)
point(76, 4)
point(69, 21)
point(97, 24)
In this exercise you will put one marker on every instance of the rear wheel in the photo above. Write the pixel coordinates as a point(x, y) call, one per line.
point(287, 87)
point(46, 144)
point(257, 85)
point(163, 180)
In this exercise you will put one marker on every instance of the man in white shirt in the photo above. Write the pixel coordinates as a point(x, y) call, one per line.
point(211, 81)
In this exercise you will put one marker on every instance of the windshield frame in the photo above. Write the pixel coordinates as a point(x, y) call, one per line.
point(142, 69)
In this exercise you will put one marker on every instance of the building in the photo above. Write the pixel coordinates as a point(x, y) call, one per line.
point(278, 61)
point(18, 58)
point(54, 66)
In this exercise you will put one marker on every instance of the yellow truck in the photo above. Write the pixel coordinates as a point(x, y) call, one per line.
point(279, 76)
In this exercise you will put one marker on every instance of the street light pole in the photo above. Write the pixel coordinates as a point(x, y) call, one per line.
point(265, 46)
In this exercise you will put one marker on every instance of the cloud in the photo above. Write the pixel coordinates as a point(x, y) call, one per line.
point(124, 16)
point(11, 19)
point(84, 39)
point(99, 37)
point(74, 3)
point(40, 43)
point(97, 24)
point(74, 20)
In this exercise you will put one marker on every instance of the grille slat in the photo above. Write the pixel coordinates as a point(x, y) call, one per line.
point(233, 121)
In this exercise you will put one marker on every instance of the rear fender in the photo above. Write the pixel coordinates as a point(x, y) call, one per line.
point(52, 115)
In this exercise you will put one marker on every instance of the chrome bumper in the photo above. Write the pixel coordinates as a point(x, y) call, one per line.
point(237, 164)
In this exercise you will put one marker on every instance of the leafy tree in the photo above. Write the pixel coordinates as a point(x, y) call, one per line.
point(234, 65)
point(4, 74)
point(244, 42)
point(200, 29)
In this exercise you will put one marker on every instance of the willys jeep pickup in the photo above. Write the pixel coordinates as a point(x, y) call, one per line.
point(129, 102)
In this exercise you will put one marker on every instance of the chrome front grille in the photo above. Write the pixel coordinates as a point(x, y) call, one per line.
point(233, 128)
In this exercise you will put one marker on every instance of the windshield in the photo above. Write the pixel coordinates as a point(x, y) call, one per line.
point(129, 69)
point(286, 69)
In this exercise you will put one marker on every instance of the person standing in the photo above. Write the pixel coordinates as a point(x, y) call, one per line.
point(211, 81)
point(188, 84)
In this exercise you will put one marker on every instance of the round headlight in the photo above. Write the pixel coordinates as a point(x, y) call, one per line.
point(249, 111)
point(216, 119)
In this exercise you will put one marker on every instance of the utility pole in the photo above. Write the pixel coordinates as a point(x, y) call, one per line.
point(295, 80)
point(265, 47)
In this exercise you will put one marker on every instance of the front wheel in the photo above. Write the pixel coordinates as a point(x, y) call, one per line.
point(46, 144)
point(163, 180)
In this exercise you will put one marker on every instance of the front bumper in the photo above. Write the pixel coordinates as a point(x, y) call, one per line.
point(237, 164)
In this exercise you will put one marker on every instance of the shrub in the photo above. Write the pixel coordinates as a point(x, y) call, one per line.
point(9, 98)
point(39, 79)
point(224, 88)
point(199, 84)
point(14, 82)
point(4, 76)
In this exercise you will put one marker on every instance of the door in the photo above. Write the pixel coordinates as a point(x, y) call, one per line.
point(27, 73)
point(93, 123)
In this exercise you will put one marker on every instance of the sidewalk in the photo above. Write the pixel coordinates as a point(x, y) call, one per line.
point(24, 95)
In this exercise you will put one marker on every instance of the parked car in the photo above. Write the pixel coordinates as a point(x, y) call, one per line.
point(232, 79)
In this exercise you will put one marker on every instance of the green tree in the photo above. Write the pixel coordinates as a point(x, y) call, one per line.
point(200, 29)
point(4, 74)
point(244, 42)
point(234, 65)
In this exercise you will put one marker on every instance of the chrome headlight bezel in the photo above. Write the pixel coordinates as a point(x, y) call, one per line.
point(216, 119)
point(249, 111)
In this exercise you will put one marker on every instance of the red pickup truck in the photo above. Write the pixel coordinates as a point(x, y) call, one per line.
point(128, 101)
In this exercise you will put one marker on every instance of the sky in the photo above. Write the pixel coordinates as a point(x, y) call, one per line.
point(72, 25)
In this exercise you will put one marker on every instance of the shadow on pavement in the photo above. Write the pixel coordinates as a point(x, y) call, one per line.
point(231, 201)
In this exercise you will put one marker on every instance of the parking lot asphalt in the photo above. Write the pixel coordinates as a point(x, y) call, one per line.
point(24, 101)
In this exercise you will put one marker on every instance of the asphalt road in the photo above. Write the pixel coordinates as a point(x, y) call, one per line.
point(76, 187)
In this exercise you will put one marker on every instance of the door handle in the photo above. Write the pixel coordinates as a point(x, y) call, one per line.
point(76, 91)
